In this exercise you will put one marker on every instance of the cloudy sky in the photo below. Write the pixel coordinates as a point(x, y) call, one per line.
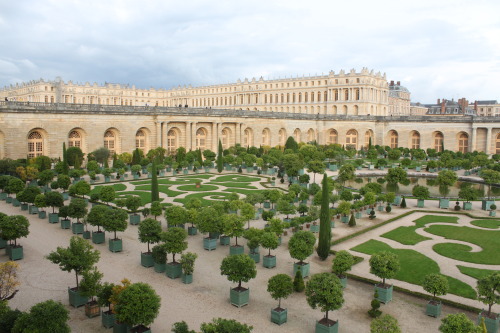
point(437, 49)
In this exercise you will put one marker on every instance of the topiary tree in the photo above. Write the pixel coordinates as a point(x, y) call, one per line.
point(385, 324)
point(137, 304)
point(115, 220)
point(342, 263)
point(187, 262)
point(269, 241)
point(149, 232)
point(458, 323)
point(436, 284)
point(97, 216)
point(220, 165)
point(80, 256)
point(91, 284)
point(233, 226)
point(54, 199)
point(77, 209)
point(48, 316)
point(181, 327)
point(238, 268)
point(14, 227)
point(221, 325)
point(301, 245)
point(280, 286)
point(63, 182)
point(133, 203)
point(352, 221)
point(175, 215)
point(15, 185)
point(107, 194)
point(325, 233)
point(155, 194)
point(104, 295)
point(156, 209)
point(175, 241)
point(488, 290)
point(385, 265)
point(324, 290)
point(298, 282)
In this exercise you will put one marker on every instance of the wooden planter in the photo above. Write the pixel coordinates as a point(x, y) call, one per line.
point(173, 270)
point(255, 257)
point(16, 253)
point(467, 205)
point(65, 224)
point(160, 268)
point(3, 243)
point(209, 243)
point(24, 207)
point(304, 269)
point(107, 319)
point(98, 237)
point(115, 245)
point(225, 240)
point(86, 235)
point(120, 327)
point(239, 298)
point(140, 329)
point(384, 292)
point(42, 214)
point(135, 219)
point(92, 309)
point(323, 326)
point(444, 203)
point(492, 213)
point(492, 323)
point(77, 228)
point(236, 250)
point(433, 309)
point(147, 260)
point(187, 279)
point(75, 299)
point(269, 261)
point(420, 203)
point(279, 316)
point(33, 209)
point(192, 231)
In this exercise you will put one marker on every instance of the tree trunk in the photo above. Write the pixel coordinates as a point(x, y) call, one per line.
point(76, 275)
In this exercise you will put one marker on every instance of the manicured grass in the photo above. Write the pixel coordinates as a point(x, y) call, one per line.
point(202, 176)
point(202, 188)
point(202, 195)
point(234, 184)
point(167, 181)
point(237, 178)
point(145, 196)
point(117, 187)
point(408, 236)
point(476, 273)
point(489, 224)
point(415, 266)
point(161, 188)
point(486, 239)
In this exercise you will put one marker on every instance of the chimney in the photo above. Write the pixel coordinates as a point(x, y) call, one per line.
point(399, 83)
point(392, 83)
point(475, 106)
point(443, 106)
point(439, 101)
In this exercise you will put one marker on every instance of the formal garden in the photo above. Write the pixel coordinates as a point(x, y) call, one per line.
point(277, 224)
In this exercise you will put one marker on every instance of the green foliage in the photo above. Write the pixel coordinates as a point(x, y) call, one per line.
point(15, 185)
point(97, 215)
point(155, 194)
point(238, 268)
point(488, 290)
point(8, 317)
point(385, 324)
point(269, 240)
point(48, 316)
point(374, 312)
point(133, 203)
point(352, 221)
point(403, 203)
point(107, 193)
point(176, 215)
point(385, 265)
point(149, 231)
point(77, 208)
point(80, 256)
point(325, 233)
point(220, 164)
point(28, 194)
point(115, 220)
point(14, 227)
point(324, 290)
point(137, 304)
point(396, 175)
point(421, 192)
point(436, 284)
point(104, 294)
point(221, 325)
point(187, 262)
point(181, 327)
point(233, 226)
point(91, 283)
point(280, 286)
point(156, 209)
point(458, 323)
point(298, 282)
point(301, 245)
point(175, 240)
point(342, 263)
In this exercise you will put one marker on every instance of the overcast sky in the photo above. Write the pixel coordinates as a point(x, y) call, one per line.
point(437, 49)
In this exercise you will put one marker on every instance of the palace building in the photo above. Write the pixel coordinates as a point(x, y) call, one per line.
point(347, 108)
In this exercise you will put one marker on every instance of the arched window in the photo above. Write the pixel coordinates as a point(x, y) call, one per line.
point(463, 143)
point(310, 135)
point(247, 137)
point(351, 139)
point(172, 141)
point(325, 97)
point(394, 139)
point(346, 95)
point(297, 135)
point(110, 142)
point(74, 139)
point(266, 137)
point(332, 137)
point(415, 140)
point(35, 144)
point(225, 138)
point(438, 141)
point(497, 144)
point(368, 136)
point(282, 137)
point(140, 140)
point(201, 138)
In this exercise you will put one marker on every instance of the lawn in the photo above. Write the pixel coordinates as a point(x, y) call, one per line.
point(202, 176)
point(145, 196)
point(161, 188)
point(117, 187)
point(202, 188)
point(408, 236)
point(415, 266)
point(486, 239)
point(234, 184)
point(237, 178)
point(489, 224)
point(202, 195)
point(476, 273)
point(167, 181)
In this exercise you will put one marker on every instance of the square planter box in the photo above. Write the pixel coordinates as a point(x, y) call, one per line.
point(236, 250)
point(77, 228)
point(192, 231)
point(33, 209)
point(323, 328)
point(485, 204)
point(42, 214)
point(267, 204)
point(24, 207)
point(16, 203)
point(343, 281)
point(269, 261)
point(214, 235)
point(344, 219)
point(314, 228)
point(16, 253)
point(209, 243)
point(304, 269)
point(418, 168)
point(384, 294)
point(9, 200)
point(160, 268)
point(173, 271)
point(3, 196)
point(75, 299)
point(255, 257)
point(135, 219)
point(492, 324)
point(420, 203)
point(225, 240)
point(467, 205)
point(239, 298)
point(107, 319)
point(140, 329)
point(65, 224)
point(92, 309)
point(187, 279)
point(120, 328)
point(65, 195)
point(444, 203)
point(115, 245)
point(147, 260)
point(433, 309)
point(3, 243)
point(493, 213)
point(98, 237)
point(357, 215)
point(279, 316)
point(86, 234)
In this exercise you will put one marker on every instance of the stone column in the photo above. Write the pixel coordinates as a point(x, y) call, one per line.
point(158, 133)
point(473, 140)
point(188, 135)
point(214, 137)
point(237, 138)
point(488, 141)
point(193, 135)
point(161, 135)
point(164, 141)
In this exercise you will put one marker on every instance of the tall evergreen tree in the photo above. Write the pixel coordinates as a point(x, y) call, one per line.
point(155, 195)
point(291, 144)
point(199, 156)
point(65, 160)
point(220, 165)
point(370, 143)
point(325, 232)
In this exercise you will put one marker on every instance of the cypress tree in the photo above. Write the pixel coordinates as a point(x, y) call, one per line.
point(65, 160)
point(370, 143)
point(220, 166)
point(155, 195)
point(200, 158)
point(352, 221)
point(325, 231)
